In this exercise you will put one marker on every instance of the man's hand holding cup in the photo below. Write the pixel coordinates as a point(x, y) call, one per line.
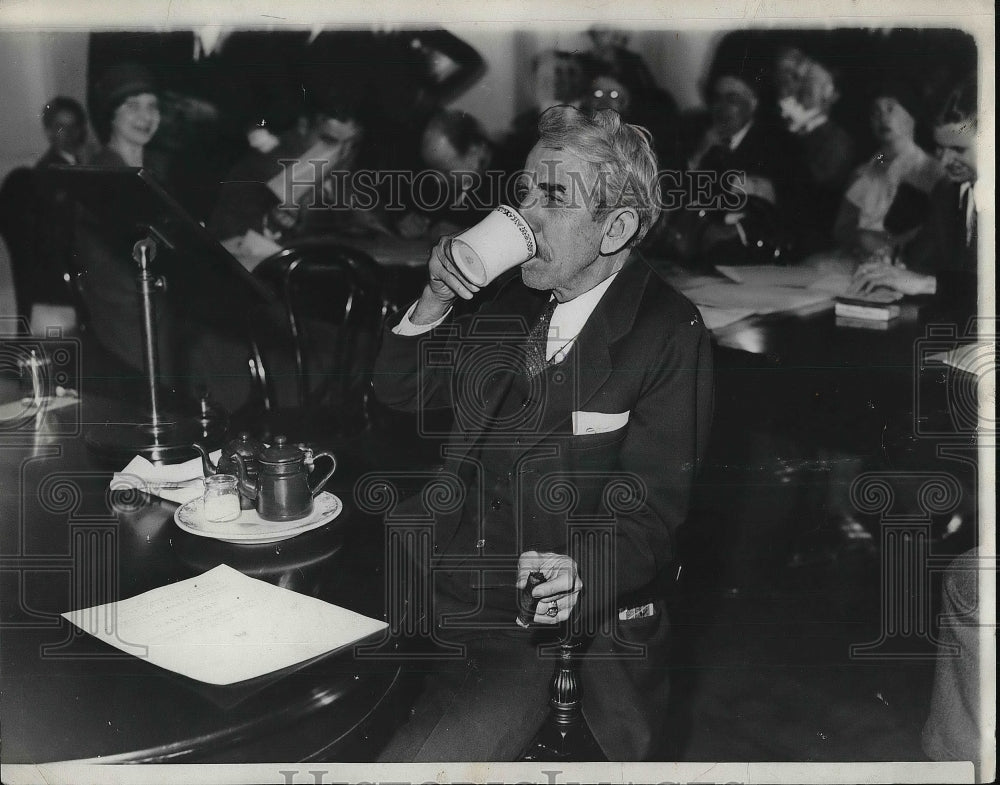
point(462, 265)
point(445, 283)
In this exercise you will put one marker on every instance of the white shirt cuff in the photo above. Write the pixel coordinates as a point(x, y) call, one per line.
point(406, 327)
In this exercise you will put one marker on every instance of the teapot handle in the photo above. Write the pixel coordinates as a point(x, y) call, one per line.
point(326, 478)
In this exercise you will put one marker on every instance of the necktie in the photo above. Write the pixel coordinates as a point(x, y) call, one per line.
point(538, 336)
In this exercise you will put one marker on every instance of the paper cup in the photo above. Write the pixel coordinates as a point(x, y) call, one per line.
point(500, 241)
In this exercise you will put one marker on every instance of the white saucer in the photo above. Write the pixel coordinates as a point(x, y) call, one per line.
point(250, 528)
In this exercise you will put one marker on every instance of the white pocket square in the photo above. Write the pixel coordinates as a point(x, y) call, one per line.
point(586, 423)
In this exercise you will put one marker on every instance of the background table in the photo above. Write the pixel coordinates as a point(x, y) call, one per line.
point(804, 407)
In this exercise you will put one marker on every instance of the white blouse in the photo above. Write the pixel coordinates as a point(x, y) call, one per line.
point(876, 182)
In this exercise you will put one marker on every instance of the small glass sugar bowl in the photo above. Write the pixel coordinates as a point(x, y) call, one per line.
point(222, 498)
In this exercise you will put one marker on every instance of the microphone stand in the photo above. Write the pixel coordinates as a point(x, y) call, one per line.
point(164, 436)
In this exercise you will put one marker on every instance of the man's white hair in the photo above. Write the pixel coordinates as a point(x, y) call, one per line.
point(622, 155)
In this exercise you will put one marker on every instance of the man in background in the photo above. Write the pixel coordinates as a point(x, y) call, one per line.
point(36, 220)
point(731, 214)
point(942, 260)
point(448, 191)
point(65, 125)
point(277, 191)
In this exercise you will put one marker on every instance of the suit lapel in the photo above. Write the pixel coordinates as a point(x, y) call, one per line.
point(585, 370)
point(520, 306)
point(572, 383)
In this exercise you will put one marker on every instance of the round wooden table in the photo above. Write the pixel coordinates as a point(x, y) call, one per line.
point(68, 543)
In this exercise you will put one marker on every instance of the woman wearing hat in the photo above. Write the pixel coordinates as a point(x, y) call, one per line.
point(125, 113)
point(886, 200)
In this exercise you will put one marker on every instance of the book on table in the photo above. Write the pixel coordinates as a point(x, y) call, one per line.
point(880, 307)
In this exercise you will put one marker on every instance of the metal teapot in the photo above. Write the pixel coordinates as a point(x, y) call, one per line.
point(244, 445)
point(282, 491)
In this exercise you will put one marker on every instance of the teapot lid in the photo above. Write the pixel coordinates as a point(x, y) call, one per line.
point(282, 452)
point(244, 445)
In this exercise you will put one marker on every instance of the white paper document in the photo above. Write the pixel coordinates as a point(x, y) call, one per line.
point(759, 299)
point(833, 283)
point(224, 627)
point(717, 318)
point(251, 249)
point(770, 275)
point(685, 281)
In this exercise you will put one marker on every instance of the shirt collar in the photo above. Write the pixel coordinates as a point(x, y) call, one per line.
point(569, 318)
point(208, 39)
point(813, 123)
point(737, 138)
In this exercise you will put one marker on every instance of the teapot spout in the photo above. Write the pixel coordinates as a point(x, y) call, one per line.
point(247, 488)
point(206, 463)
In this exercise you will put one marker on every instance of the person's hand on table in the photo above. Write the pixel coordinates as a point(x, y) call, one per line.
point(874, 275)
point(444, 284)
point(561, 588)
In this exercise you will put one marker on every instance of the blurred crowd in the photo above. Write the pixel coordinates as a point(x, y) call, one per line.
point(796, 152)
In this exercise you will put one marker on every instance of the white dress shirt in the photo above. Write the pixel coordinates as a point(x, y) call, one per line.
point(737, 139)
point(966, 193)
point(568, 321)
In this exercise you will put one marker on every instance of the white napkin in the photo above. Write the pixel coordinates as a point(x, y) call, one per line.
point(149, 478)
point(598, 422)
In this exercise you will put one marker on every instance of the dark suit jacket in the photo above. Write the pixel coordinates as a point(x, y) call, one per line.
point(51, 158)
point(645, 351)
point(940, 249)
point(816, 173)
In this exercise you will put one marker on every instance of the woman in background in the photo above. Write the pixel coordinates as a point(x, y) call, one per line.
point(201, 353)
point(887, 198)
point(942, 261)
point(125, 113)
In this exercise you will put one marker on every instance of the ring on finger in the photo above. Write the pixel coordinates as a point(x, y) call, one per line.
point(553, 611)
